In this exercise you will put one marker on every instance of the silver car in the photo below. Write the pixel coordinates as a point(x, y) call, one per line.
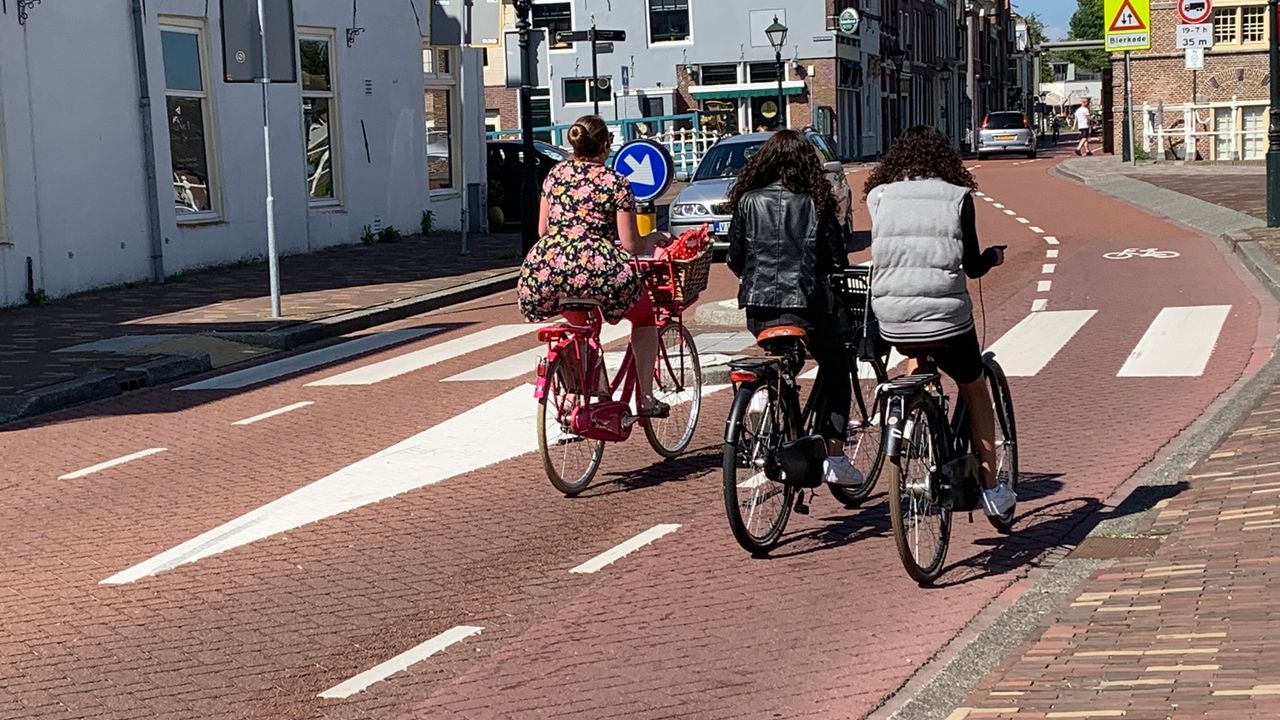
point(706, 199)
point(1006, 132)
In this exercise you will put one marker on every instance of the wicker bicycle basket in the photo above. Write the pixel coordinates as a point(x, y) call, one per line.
point(676, 283)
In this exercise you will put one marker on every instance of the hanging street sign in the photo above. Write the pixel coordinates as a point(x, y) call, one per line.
point(1196, 36)
point(1194, 12)
point(849, 21)
point(1128, 25)
point(647, 166)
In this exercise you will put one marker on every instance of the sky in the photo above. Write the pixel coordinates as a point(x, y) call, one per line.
point(1056, 14)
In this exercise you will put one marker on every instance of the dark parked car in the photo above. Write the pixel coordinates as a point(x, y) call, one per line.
point(506, 161)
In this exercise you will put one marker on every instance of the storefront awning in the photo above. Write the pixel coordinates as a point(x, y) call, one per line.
point(742, 90)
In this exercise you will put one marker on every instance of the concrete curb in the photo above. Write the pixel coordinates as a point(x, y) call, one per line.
point(1258, 261)
point(102, 385)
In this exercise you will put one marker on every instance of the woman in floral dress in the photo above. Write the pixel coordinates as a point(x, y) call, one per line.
point(588, 227)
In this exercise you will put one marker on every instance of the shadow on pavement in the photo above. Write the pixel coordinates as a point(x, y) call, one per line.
point(697, 462)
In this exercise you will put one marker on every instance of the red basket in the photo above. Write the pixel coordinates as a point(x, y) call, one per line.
point(676, 284)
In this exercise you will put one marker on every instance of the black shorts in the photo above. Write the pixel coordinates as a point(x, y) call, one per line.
point(959, 356)
point(1086, 132)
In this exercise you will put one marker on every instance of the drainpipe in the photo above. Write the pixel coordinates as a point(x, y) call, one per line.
point(148, 147)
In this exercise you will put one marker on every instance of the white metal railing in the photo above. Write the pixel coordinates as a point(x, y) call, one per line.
point(1168, 130)
point(687, 147)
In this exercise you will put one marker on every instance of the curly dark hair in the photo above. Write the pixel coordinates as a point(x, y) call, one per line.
point(789, 157)
point(921, 153)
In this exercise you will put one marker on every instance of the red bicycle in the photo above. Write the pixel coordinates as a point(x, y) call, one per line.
point(581, 406)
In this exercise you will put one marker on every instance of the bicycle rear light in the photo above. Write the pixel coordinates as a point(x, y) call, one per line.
point(743, 376)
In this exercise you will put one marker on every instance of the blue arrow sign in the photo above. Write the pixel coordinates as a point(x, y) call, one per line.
point(647, 165)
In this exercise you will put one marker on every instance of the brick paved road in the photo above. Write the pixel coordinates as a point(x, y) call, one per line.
point(688, 626)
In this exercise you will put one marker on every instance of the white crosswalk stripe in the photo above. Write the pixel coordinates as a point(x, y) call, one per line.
point(1032, 343)
point(524, 363)
point(1178, 343)
point(426, 357)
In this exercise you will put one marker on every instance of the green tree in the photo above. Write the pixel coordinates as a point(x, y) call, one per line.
point(1036, 34)
point(1087, 24)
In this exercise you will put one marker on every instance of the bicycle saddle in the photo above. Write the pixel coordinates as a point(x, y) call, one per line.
point(772, 335)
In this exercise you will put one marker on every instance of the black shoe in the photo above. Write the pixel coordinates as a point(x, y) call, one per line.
point(658, 410)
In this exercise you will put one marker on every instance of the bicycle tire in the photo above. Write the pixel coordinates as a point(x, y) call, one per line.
point(684, 394)
point(1007, 469)
point(552, 435)
point(743, 458)
point(865, 443)
point(925, 424)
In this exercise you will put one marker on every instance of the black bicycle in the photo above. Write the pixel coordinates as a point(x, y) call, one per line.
point(771, 454)
point(936, 472)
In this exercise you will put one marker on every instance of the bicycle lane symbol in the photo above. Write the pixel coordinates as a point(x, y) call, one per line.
point(1153, 253)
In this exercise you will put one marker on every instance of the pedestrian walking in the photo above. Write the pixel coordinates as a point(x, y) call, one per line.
point(1084, 124)
point(1056, 126)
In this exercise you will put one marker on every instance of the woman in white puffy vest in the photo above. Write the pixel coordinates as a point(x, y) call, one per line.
point(924, 242)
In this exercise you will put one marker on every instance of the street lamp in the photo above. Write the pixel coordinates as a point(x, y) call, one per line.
point(777, 34)
point(528, 183)
point(1273, 133)
point(945, 74)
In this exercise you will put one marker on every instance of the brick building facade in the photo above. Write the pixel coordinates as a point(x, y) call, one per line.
point(1231, 92)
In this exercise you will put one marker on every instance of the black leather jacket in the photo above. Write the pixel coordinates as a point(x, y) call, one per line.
point(782, 249)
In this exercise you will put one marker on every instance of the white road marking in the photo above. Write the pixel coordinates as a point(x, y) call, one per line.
point(111, 463)
point(724, 342)
point(426, 357)
point(1048, 268)
point(1032, 343)
point(1039, 304)
point(1178, 343)
point(400, 662)
point(308, 360)
point(1051, 239)
point(1051, 254)
point(979, 193)
point(865, 370)
point(617, 553)
point(524, 363)
point(1044, 286)
point(1010, 213)
point(490, 433)
point(998, 206)
point(273, 413)
point(988, 199)
point(1024, 221)
point(1036, 230)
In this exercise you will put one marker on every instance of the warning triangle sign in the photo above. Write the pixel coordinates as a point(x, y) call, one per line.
point(1127, 19)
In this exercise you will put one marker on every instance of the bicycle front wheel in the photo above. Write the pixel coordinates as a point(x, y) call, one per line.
point(1006, 439)
point(677, 381)
point(571, 461)
point(758, 507)
point(864, 444)
point(921, 526)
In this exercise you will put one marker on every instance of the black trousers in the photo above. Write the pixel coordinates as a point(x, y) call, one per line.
point(827, 348)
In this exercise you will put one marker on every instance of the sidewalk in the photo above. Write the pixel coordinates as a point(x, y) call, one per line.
point(98, 344)
point(1167, 609)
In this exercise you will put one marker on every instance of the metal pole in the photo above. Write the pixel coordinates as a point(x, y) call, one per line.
point(273, 259)
point(464, 247)
point(782, 108)
point(1127, 136)
point(595, 71)
point(973, 80)
point(148, 148)
point(528, 185)
point(1273, 133)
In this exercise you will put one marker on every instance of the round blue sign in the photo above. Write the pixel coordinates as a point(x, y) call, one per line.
point(648, 167)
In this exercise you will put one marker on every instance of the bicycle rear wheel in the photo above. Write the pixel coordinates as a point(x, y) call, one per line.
point(1006, 439)
point(921, 526)
point(758, 508)
point(571, 461)
point(677, 381)
point(864, 443)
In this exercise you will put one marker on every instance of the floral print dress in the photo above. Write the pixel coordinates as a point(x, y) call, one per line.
point(580, 256)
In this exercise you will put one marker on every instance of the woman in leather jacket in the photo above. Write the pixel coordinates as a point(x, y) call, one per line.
point(784, 241)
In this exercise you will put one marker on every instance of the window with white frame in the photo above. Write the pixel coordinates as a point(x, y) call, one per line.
point(440, 103)
point(556, 17)
point(1238, 26)
point(668, 20)
point(319, 116)
point(575, 90)
point(188, 120)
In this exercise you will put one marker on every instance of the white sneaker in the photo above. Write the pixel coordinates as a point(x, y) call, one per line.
point(999, 500)
point(839, 471)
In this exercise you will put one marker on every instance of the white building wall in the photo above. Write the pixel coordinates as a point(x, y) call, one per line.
point(73, 197)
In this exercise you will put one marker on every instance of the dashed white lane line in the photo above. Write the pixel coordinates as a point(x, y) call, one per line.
point(979, 193)
point(1033, 342)
point(426, 357)
point(998, 206)
point(1037, 230)
point(1044, 286)
point(989, 200)
point(400, 662)
point(111, 463)
point(308, 360)
point(1048, 268)
point(1051, 254)
point(1178, 343)
point(1039, 304)
point(1024, 221)
point(1010, 213)
point(273, 413)
point(612, 555)
point(1051, 239)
